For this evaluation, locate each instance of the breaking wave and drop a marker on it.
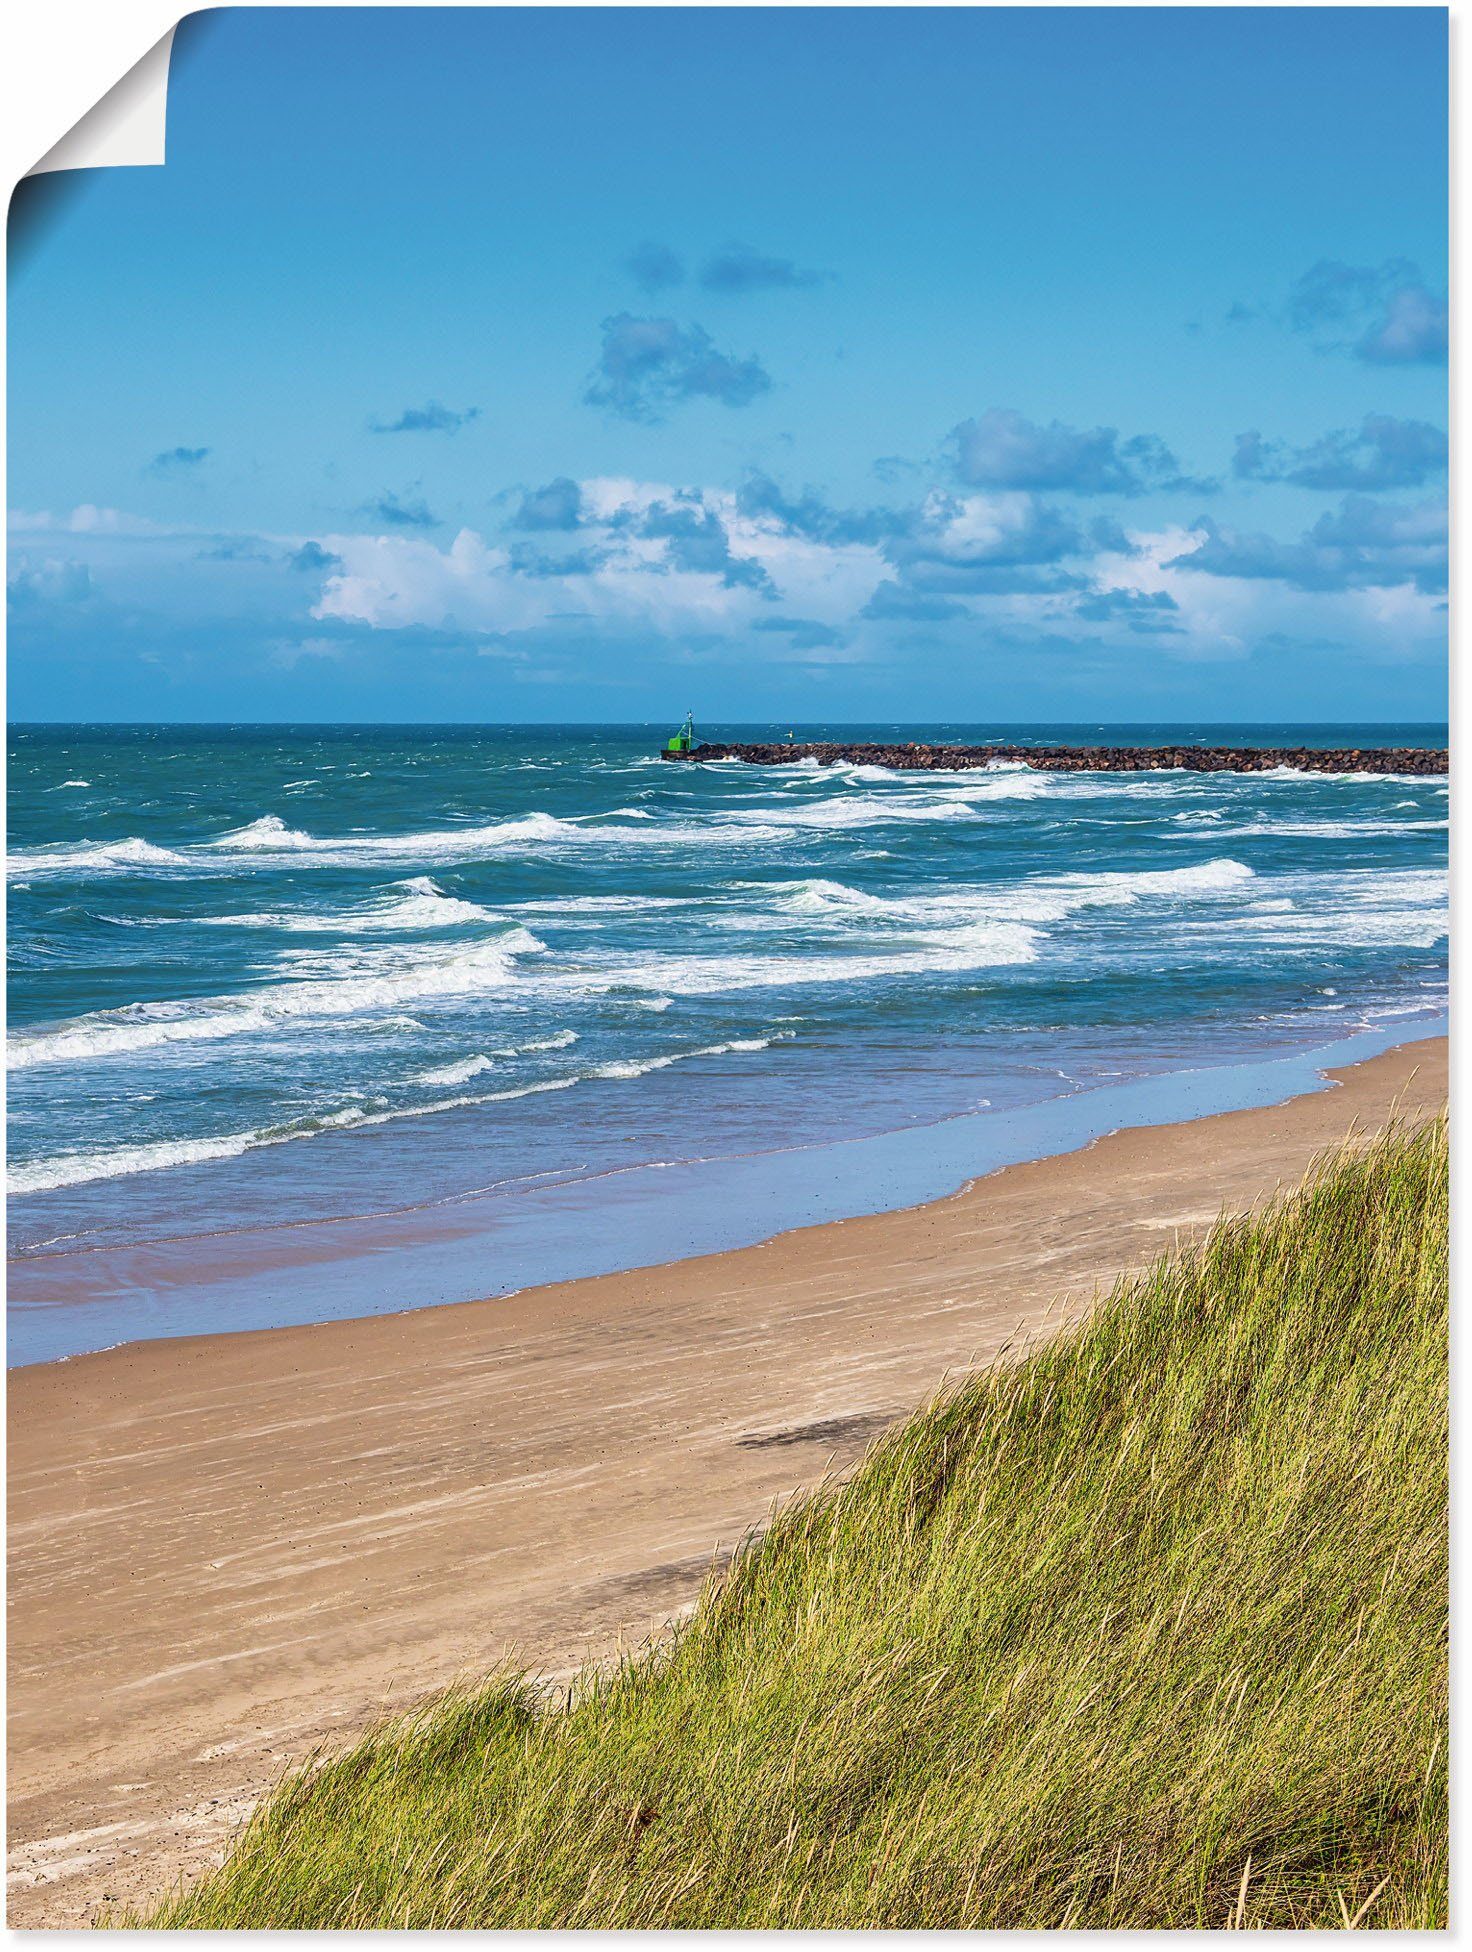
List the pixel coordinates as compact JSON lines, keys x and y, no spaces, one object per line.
{"x":95,"y":857}
{"x":146,"y":1026}
{"x":118,"y":1162}
{"x":421,"y":905}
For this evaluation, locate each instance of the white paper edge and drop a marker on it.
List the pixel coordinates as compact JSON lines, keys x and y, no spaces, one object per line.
{"x":126,"y":129}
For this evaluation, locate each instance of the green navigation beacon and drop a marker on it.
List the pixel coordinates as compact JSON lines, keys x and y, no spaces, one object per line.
{"x":684,"y":739}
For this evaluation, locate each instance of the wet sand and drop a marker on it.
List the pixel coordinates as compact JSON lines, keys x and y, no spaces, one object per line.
{"x":227,"y":1549}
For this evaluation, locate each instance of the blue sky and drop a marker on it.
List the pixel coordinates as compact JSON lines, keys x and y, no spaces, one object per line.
{"x":845,"y":363}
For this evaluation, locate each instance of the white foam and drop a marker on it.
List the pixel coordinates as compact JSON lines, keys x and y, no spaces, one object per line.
{"x":637,"y":1067}
{"x":270,"y":835}
{"x":380,"y":985}
{"x":980,"y":945}
{"x":1338,"y":778}
{"x":267,"y":839}
{"x":120,"y":1162}
{"x":1268,"y":829}
{"x":1047,"y":898}
{"x":96,"y":857}
{"x":462,"y":1073}
{"x":1353,"y":908}
{"x":593,"y":904}
{"x":467,"y":1068}
{"x":422,"y":906}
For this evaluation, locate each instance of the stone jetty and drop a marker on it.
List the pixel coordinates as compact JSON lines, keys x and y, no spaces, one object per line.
{"x":1086,"y":759}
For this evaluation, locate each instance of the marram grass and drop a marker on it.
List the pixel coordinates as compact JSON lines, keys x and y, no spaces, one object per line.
{"x":1146,"y":1630}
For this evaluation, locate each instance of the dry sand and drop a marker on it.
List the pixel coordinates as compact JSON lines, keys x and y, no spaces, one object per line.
{"x":226,"y":1549}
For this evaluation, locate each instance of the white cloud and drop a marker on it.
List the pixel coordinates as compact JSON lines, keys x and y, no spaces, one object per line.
{"x":617,"y":574}
{"x":85,"y":519}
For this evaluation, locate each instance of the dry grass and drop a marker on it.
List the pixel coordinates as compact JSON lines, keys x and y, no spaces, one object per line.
{"x":1145,"y":1630}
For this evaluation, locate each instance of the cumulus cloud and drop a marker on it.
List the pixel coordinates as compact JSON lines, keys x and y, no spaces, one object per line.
{"x":986,"y":545}
{"x":312,"y":556}
{"x":1386,"y":314}
{"x":892,"y":602}
{"x":531,"y":560}
{"x":558,"y":505}
{"x":1364,"y":544}
{"x":431,"y":419}
{"x":637,"y":588}
{"x":648,"y":365}
{"x":1003,"y":449}
{"x":40,"y":585}
{"x":1148,"y":613}
{"x":738,"y":268}
{"x":176,"y":460}
{"x":1382,"y":453}
{"x":407,"y":513}
{"x":651,"y":559}
{"x":654,"y":267}
{"x":761,"y":498}
{"x":696,"y":539}
{"x":1412,"y":332}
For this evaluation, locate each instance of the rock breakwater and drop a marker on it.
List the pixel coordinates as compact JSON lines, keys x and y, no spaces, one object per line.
{"x":1087,"y":759}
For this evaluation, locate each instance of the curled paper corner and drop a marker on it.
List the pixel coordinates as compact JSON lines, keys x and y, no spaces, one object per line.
{"x":127,"y":127}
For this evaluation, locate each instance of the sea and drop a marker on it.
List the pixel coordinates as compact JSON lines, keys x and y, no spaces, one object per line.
{"x":320,"y":1021}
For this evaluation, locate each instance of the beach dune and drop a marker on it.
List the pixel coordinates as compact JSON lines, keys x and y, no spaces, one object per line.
{"x":227,"y":1550}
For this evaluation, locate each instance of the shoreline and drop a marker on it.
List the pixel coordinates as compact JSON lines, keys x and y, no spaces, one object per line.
{"x":356,"y":1265}
{"x":226,"y":1549}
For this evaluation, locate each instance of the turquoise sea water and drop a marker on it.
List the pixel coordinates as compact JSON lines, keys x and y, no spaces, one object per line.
{"x":488,"y":984}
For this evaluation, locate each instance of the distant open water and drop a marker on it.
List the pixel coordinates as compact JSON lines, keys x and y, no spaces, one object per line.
{"x":264,"y":976}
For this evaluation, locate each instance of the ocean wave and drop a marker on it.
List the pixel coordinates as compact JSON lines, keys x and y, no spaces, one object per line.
{"x":271,"y":835}
{"x":462,"y":1073}
{"x":1357,"y":908}
{"x":593,"y":904}
{"x":376,"y":987}
{"x":96,"y":857}
{"x":1266,"y":828}
{"x":1337,"y":778}
{"x":867,"y":809}
{"x":962,"y":929}
{"x":979,"y":945}
{"x":1050,"y":898}
{"x":269,"y":838}
{"x":421,"y":906}
{"x":467,"y":1068}
{"x":638,"y":1067}
{"x":123,"y":1161}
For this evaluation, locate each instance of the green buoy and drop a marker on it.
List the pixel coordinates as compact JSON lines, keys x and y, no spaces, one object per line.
{"x":684,"y":739}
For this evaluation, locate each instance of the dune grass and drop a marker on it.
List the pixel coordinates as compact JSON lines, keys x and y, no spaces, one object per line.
{"x":1147,"y":1629}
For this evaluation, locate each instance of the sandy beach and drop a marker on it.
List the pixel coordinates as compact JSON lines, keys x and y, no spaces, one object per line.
{"x":226,"y":1550}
